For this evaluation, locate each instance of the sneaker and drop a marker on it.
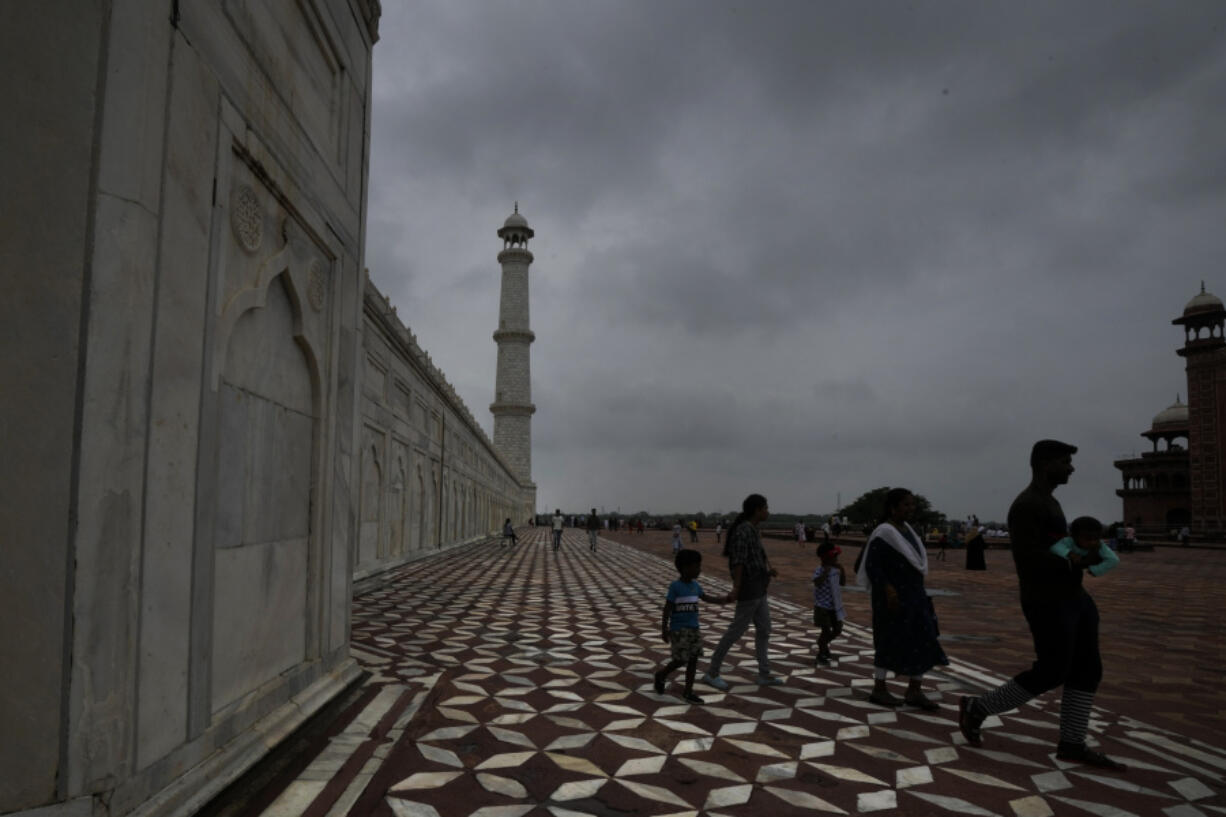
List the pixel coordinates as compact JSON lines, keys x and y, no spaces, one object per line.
{"x":659,"y":684}
{"x":823,"y":660}
{"x":1080,"y":753}
{"x":969,"y":723}
{"x":692,"y":698}
{"x":768,"y":680}
{"x":715,"y":681}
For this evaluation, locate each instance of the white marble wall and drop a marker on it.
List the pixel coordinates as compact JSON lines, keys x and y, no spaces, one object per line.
{"x":181,"y":491}
{"x":431,"y":477}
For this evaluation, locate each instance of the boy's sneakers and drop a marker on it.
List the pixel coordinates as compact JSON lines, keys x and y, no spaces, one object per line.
{"x":692,"y":698}
{"x":824,"y":658}
{"x":715,"y":681}
{"x":1080,"y":753}
{"x":659,"y":684}
{"x":768,"y":680}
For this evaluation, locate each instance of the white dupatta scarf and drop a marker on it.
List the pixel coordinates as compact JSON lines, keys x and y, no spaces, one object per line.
{"x":890,"y":535}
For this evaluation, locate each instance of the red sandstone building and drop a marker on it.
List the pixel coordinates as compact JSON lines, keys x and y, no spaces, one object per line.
{"x":1166,"y":488}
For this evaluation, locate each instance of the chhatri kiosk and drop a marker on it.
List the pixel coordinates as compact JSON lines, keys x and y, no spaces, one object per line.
{"x":1172,"y":485}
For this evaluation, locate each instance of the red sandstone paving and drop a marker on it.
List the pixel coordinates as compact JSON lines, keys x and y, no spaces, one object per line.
{"x":516,"y":683}
{"x":1162,"y":630}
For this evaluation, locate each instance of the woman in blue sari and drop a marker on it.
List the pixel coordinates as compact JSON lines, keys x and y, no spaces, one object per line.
{"x":893,"y":565}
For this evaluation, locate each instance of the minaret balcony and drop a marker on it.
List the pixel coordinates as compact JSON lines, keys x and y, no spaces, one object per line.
{"x":522,"y":254}
{"x":521,"y":335}
{"x":513,"y":409}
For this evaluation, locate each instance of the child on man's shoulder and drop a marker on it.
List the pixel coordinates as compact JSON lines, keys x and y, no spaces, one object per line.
{"x":680,"y":623}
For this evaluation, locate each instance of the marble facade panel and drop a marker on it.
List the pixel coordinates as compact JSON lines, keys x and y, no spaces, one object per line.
{"x":259,"y":616}
{"x":177,"y":379}
{"x":44,"y":233}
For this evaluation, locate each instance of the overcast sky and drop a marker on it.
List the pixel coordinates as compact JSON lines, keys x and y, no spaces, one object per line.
{"x":810,"y":248}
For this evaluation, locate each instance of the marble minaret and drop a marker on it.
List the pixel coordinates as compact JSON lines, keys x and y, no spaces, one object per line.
{"x":512,"y":407}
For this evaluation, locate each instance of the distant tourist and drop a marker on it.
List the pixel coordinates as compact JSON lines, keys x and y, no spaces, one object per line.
{"x":828,"y":612}
{"x":1130,"y":539}
{"x":719,"y":531}
{"x":680,"y":626}
{"x":677,"y":537}
{"x":558,"y":522}
{"x":893,"y":565}
{"x":508,"y":532}
{"x":1062,"y":617}
{"x":751,"y":574}
{"x":798,"y":530}
{"x":826,"y":531}
{"x":693,"y":530}
{"x":593,"y":529}
{"x":1185,"y":536}
{"x":976,"y":546}
{"x":638,"y":528}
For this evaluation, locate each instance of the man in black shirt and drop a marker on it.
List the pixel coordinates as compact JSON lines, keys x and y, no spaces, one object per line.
{"x":1062,"y":617}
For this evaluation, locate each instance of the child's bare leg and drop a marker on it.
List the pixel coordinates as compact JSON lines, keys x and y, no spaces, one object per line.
{"x":666,"y":670}
{"x":690,"y":669}
{"x":662,"y":673}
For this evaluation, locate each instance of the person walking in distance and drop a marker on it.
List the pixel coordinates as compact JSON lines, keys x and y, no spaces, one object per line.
{"x":1062,"y":617}
{"x":593,"y":529}
{"x":751,"y":574}
{"x":558,"y":522}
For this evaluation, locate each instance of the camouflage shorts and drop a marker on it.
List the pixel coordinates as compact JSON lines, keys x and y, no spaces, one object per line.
{"x":686,"y":643}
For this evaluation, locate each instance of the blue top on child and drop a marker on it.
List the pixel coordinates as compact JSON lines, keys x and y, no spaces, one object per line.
{"x":684,"y":596}
{"x":1109,"y":560}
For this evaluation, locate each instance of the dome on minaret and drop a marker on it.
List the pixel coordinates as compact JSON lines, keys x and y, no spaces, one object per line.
{"x":1174,"y":416}
{"x":1203,"y":302}
{"x":515,"y":231}
{"x":515,"y":219}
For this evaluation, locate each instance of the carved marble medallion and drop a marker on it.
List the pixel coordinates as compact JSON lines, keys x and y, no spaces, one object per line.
{"x":247,"y":219}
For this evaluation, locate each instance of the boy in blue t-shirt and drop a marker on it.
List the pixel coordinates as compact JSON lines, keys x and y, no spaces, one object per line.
{"x":680,"y":624}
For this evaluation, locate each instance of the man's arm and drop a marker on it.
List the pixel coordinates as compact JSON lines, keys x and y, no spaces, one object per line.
{"x":738,"y":572}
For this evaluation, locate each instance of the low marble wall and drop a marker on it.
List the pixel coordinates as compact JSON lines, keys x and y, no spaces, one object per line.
{"x":430,"y":476}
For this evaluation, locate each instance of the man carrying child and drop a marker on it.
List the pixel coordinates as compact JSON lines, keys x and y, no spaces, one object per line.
{"x":1062,"y":617}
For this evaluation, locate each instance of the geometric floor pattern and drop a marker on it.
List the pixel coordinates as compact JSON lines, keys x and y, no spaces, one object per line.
{"x":516,"y":682}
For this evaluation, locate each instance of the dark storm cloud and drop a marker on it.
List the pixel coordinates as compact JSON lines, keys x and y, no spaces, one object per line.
{"x":839,"y":245}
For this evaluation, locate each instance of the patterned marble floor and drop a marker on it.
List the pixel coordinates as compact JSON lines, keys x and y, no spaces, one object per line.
{"x":517,"y":683}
